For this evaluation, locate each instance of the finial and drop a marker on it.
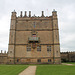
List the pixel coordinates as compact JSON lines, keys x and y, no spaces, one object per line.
{"x":14,"y":10}
{"x":25,"y":14}
{"x":54,"y":10}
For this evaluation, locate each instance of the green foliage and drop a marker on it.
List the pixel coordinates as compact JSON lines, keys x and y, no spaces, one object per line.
{"x":11,"y":69}
{"x":55,"y":70}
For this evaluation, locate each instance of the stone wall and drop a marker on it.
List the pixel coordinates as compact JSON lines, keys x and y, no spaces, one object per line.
{"x":45,"y":28}
{"x":3,"y":58}
{"x":68,"y":56}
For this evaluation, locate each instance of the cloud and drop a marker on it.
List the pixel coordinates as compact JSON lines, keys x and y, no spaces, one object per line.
{"x":65,"y":11}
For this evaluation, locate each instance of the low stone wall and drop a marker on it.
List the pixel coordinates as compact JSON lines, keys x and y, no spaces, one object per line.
{"x":3,"y":58}
{"x":68,"y":56}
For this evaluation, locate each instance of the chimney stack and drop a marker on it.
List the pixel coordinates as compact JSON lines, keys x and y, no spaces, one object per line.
{"x":42,"y":13}
{"x":29,"y":13}
{"x":25,"y":14}
{"x":5,"y":52}
{"x":1,"y":51}
{"x":21,"y":14}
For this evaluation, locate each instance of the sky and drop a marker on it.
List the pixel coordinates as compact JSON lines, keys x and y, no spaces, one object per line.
{"x":66,"y":18}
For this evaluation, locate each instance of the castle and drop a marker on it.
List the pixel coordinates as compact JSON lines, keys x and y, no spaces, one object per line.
{"x":34,"y":39}
{"x":68,"y":56}
{"x":65,"y":57}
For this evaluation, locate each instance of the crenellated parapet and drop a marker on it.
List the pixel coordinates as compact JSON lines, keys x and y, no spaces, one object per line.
{"x":3,"y":57}
{"x":54,"y":13}
{"x":3,"y":53}
{"x":70,"y":52}
{"x":68,"y":56}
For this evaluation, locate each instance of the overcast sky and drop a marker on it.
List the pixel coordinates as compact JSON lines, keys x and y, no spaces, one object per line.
{"x":66,"y":18}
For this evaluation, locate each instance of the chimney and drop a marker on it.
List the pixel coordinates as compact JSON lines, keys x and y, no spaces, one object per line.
{"x":25,"y":14}
{"x":5,"y":52}
{"x":29,"y":13}
{"x":42,"y":13}
{"x":1,"y":51}
{"x":21,"y":14}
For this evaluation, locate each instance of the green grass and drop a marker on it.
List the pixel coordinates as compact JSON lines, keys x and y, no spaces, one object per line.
{"x":41,"y":69}
{"x":11,"y":69}
{"x":55,"y":70}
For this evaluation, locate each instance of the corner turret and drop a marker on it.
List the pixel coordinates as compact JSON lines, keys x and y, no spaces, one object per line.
{"x":54,"y":13}
{"x":13,"y":16}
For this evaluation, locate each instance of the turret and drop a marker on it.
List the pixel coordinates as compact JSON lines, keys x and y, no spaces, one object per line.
{"x":56,"y":49}
{"x":55,"y":19}
{"x":13,"y":16}
{"x":54,"y":13}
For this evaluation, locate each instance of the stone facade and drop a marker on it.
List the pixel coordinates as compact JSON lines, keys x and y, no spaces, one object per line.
{"x":3,"y":57}
{"x":34,"y":39}
{"x":68,"y":56}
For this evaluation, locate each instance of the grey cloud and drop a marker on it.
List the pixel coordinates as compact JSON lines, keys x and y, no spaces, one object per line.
{"x":66,"y":17}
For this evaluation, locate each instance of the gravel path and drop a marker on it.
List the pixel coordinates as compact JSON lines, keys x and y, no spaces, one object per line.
{"x":66,"y":64}
{"x":29,"y":71}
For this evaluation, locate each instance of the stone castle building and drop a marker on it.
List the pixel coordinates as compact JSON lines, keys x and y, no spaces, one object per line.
{"x":68,"y":56}
{"x":34,"y":39}
{"x":3,"y":57}
{"x":65,"y":57}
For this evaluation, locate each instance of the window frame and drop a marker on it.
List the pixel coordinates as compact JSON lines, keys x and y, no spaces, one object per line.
{"x":28,"y":47}
{"x":49,"y":48}
{"x":38,"y":60}
{"x":49,"y":60}
{"x":38,"y":48}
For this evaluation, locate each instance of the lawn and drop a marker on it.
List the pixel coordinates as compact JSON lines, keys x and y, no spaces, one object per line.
{"x":55,"y":70}
{"x":11,"y":69}
{"x":41,"y":69}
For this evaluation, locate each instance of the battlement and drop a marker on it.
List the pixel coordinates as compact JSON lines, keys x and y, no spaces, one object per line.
{"x":54,"y":13}
{"x":68,"y":52}
{"x":3,"y":53}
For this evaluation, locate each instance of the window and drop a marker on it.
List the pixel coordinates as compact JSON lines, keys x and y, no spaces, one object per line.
{"x":57,"y":53}
{"x":56,"y":36}
{"x":17,"y":60}
{"x":49,"y":60}
{"x":34,"y":35}
{"x":10,"y":60}
{"x":48,"y":48}
{"x":28,"y":47}
{"x":39,"y":60}
{"x":10,"y":51}
{"x":38,"y":48}
{"x":55,"y":25}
